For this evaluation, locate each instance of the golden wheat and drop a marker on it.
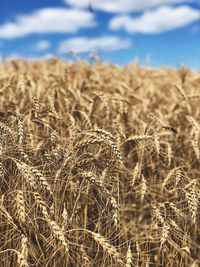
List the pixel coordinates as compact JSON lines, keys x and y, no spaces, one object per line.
{"x":99,"y":165}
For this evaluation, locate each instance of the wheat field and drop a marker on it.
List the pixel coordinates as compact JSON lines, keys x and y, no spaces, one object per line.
{"x":99,"y":165}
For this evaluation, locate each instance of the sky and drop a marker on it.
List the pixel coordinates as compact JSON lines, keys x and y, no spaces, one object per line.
{"x":152,"y":32}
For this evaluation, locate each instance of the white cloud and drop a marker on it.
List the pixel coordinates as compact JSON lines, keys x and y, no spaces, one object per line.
{"x":45,"y":56}
{"x":156,"y":21}
{"x":123,"y":6}
{"x":16,"y":56}
{"x":41,"y":45}
{"x":103,"y":43}
{"x":48,"y":20}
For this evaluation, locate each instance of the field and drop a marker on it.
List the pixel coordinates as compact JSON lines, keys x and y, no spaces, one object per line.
{"x":99,"y":165}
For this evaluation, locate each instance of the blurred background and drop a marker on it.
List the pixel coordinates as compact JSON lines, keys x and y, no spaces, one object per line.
{"x":152,"y":32}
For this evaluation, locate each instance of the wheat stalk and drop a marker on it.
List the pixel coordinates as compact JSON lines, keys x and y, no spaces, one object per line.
{"x":20,"y":207}
{"x":192,"y":197}
{"x":111,"y":250}
{"x":128,"y":257}
{"x":22,"y":255}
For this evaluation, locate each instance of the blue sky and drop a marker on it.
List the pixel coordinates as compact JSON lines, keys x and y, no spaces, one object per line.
{"x":155,"y":32}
